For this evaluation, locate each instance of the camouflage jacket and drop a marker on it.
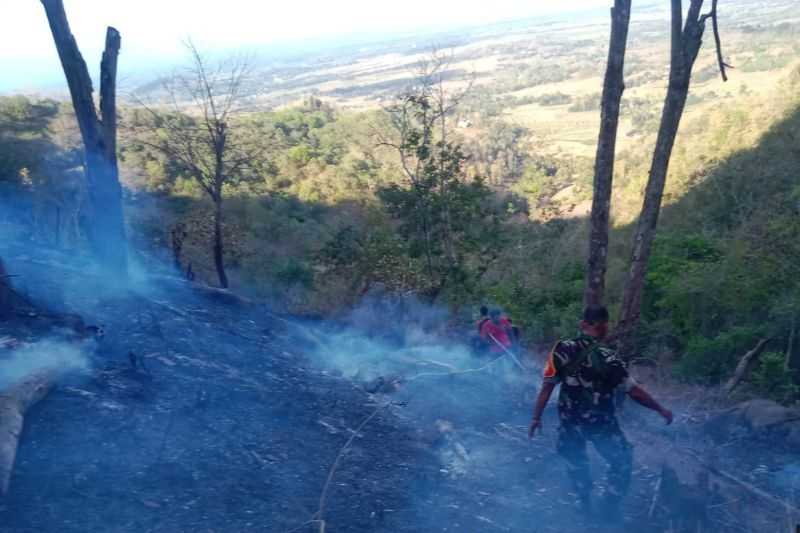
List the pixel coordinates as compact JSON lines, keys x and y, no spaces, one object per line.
{"x":588,"y":374}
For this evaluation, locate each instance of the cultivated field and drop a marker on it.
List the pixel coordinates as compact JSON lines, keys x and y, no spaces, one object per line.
{"x":546,"y":74}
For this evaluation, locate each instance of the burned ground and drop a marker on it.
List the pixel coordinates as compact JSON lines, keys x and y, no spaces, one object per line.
{"x":204,"y":412}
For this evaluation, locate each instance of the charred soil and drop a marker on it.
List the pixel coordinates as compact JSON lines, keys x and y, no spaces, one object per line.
{"x":201,"y":412}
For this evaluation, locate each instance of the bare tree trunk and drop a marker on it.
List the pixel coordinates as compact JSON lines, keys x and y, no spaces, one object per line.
{"x":13,"y":405}
{"x":178,"y":234}
{"x":791,"y":363}
{"x":6,"y":293}
{"x":686,"y":43}
{"x":423,"y":214}
{"x":219,"y":251}
{"x":106,"y":231}
{"x":613,"y":88}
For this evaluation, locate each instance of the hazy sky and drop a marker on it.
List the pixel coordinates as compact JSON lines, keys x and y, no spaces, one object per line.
{"x":152,"y":30}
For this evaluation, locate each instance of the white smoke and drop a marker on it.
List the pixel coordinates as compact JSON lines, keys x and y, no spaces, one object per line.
{"x":45,"y":355}
{"x":401,"y":338}
{"x":360,"y":357}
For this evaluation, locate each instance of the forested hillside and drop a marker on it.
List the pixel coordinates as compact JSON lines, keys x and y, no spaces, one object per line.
{"x":316,"y":220}
{"x":335,"y":291}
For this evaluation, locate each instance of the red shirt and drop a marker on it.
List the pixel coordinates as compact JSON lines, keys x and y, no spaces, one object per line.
{"x":499,"y":332}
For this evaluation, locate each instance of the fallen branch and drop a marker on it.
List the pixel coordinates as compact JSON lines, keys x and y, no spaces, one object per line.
{"x":656,"y":495}
{"x":745,"y":364}
{"x":14,"y":403}
{"x":8,"y":342}
{"x":170,"y":308}
{"x":745,"y":485}
{"x":303,"y":525}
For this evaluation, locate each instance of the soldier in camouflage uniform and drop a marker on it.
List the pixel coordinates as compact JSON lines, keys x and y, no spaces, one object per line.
{"x":589,"y":374}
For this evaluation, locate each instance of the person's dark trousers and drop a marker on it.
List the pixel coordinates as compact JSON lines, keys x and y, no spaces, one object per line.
{"x":612,"y":445}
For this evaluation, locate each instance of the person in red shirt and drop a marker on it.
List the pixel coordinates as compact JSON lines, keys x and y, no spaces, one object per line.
{"x":496,"y":332}
{"x":479,"y":346}
{"x":483,"y":319}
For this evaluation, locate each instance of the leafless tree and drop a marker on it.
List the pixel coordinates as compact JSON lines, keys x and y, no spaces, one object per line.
{"x":686,"y":41}
{"x":197,"y":129}
{"x":106,"y":230}
{"x":613,"y":87}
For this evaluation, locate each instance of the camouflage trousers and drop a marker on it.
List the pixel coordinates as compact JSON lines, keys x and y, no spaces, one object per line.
{"x":610,"y":442}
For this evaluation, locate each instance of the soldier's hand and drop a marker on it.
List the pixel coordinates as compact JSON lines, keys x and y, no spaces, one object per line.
{"x":536,"y":424}
{"x":667,"y":414}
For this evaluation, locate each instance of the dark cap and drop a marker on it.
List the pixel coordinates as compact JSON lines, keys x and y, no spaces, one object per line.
{"x":594,"y":314}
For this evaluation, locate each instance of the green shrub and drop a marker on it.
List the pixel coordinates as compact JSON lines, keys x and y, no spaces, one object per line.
{"x":550,"y":311}
{"x":770,"y":380}
{"x":711,"y":360}
{"x":293,"y":272}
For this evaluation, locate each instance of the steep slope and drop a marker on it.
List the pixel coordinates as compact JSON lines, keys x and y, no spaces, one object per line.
{"x":232,"y":418}
{"x":227,"y":429}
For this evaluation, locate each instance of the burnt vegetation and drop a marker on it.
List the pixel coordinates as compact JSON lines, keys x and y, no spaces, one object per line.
{"x":233,"y":316}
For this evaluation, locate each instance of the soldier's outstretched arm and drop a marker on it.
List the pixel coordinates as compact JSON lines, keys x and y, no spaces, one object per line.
{"x":643,"y":397}
{"x":541,"y":403}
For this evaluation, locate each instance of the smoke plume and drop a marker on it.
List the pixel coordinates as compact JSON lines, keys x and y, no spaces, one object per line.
{"x":46,"y":355}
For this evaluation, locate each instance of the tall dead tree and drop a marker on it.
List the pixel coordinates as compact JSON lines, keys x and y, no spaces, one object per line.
{"x":198,"y":132}
{"x":686,"y":41}
{"x":613,"y":87}
{"x":106,"y":229}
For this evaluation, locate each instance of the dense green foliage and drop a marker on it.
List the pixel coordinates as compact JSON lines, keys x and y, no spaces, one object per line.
{"x":325,"y":211}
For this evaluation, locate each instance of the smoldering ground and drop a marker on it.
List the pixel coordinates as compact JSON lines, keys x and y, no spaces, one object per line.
{"x":241,"y":419}
{"x":471,"y":414}
{"x":222,"y":434}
